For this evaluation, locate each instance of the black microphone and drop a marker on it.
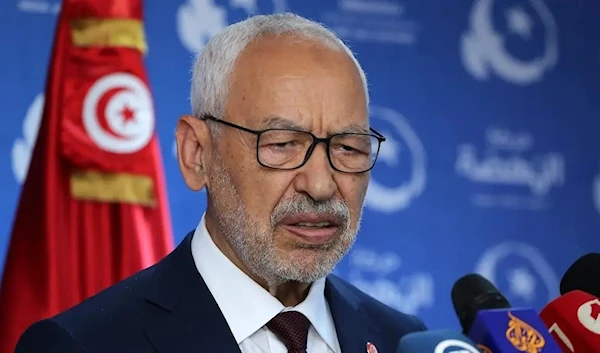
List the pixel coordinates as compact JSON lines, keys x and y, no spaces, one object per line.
{"x":583,"y":275}
{"x":472,"y":293}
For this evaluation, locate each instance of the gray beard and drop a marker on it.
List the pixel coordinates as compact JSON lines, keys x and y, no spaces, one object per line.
{"x":253,"y":242}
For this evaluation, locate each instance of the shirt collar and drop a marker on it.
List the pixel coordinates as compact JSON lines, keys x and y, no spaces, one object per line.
{"x":246,"y":314}
{"x":315,"y":308}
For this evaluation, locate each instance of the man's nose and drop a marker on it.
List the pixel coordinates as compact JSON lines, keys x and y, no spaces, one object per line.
{"x":316,"y":176}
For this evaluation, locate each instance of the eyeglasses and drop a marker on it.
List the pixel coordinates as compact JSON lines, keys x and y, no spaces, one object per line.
{"x":288,"y":149}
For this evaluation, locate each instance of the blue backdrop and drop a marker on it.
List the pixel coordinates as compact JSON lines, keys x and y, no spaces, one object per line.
{"x":490,"y":109}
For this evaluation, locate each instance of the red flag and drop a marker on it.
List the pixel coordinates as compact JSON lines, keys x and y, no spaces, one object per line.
{"x":93,"y":209}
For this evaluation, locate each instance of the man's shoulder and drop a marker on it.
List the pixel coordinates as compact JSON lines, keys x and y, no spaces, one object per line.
{"x":113,"y":315}
{"x":386,"y":317}
{"x":121,"y":299}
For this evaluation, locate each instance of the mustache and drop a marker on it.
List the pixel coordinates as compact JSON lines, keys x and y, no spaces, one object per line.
{"x":303,"y":204}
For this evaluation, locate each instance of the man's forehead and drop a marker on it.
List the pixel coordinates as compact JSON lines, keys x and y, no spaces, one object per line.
{"x":272,"y":56}
{"x":322,"y":93}
{"x":285,"y":44}
{"x":279,"y":122}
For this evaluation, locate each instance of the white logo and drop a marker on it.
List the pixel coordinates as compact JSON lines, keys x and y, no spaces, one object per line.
{"x":199,"y":20}
{"x":23,"y":147}
{"x":522,"y":282}
{"x":589,"y":315}
{"x":484,"y":48}
{"x":376,"y":21}
{"x":118,"y":113}
{"x":455,"y":346}
{"x":372,"y":273}
{"x":39,"y":6}
{"x":400,"y":142}
{"x":507,"y":159}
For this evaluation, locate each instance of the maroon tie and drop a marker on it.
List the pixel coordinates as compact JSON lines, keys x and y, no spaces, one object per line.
{"x":292,"y":329}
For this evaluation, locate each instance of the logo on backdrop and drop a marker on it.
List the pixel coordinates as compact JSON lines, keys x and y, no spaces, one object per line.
{"x":23,"y":146}
{"x":402,"y":152}
{"x":521,"y":271}
{"x":528,"y":25}
{"x":199,"y":20}
{"x":503,"y":163}
{"x":118,"y":113}
{"x":376,"y":21}
{"x":589,"y":315}
{"x":51,"y":7}
{"x":454,"y":346}
{"x":376,"y":274}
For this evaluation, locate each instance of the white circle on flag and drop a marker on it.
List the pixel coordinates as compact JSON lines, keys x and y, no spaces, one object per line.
{"x":118,"y":113}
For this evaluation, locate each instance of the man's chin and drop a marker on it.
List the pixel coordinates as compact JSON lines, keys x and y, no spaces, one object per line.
{"x":307,"y":275}
{"x":310,"y":260}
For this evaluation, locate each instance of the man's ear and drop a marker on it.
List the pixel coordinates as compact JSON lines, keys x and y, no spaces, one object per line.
{"x":193,"y":147}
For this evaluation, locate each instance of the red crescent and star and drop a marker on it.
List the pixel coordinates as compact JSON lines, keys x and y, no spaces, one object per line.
{"x":127,"y":112}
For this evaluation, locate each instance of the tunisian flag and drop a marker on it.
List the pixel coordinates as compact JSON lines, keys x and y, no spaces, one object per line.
{"x":93,"y":209}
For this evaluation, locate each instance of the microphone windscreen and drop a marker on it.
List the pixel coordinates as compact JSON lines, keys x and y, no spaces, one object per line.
{"x":472,"y":293}
{"x":573,"y":319}
{"x":438,"y":341}
{"x":584,"y":275}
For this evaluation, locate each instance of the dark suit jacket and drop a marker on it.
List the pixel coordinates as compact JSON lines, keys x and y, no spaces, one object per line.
{"x":167,"y":308}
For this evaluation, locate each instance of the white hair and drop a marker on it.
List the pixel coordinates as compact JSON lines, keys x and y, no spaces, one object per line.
{"x":214,"y":64}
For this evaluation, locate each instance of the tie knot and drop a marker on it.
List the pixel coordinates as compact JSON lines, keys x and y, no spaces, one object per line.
{"x":292,"y":329}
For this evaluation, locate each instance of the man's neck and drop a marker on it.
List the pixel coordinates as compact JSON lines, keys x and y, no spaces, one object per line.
{"x":288,"y":293}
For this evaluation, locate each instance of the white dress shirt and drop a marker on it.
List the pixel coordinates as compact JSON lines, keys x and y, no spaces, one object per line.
{"x":247,"y":307}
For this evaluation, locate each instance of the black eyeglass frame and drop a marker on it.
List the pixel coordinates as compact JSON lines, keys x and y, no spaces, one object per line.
{"x":316,"y":140}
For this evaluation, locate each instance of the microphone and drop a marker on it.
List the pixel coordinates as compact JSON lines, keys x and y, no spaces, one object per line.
{"x":574,"y":317}
{"x":472,"y":293}
{"x":488,"y":319}
{"x":583,"y":275}
{"x":438,"y":341}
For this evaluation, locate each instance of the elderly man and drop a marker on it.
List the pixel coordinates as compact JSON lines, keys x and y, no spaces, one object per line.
{"x":280,"y":139}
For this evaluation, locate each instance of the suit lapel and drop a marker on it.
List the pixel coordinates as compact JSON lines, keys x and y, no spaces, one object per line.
{"x":354,"y":329}
{"x":183,"y":317}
